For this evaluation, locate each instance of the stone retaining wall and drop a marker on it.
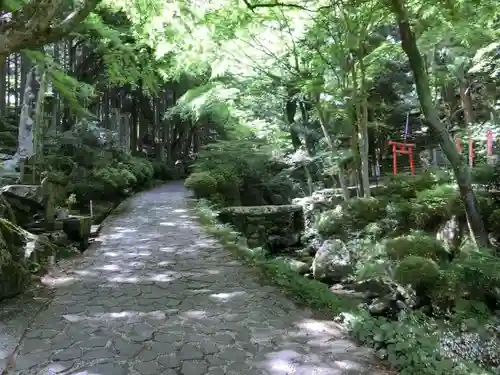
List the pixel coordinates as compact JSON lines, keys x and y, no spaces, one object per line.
{"x":272,"y":227}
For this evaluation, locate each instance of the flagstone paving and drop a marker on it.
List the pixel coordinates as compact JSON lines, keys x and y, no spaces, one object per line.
{"x":156,"y":296}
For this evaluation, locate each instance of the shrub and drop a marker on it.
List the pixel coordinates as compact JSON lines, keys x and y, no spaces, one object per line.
{"x":351,"y":217}
{"x":431,"y":207}
{"x":486,"y":203}
{"x":494,"y":222}
{"x":405,"y":186}
{"x":141,"y":169}
{"x":420,"y":273}
{"x":478,"y":274}
{"x":416,"y":244}
{"x":400,"y":213}
{"x":117,"y":179}
{"x":486,"y":175}
{"x":365,"y":210}
{"x":245,"y":171}
{"x":162,"y":171}
{"x":474,"y":276}
{"x":446,"y":291}
{"x":411,"y":344}
{"x":228,"y":185}
{"x":203,"y":184}
{"x":331,"y":223}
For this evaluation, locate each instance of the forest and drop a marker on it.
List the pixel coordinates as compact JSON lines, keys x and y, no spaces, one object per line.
{"x":348,"y":148}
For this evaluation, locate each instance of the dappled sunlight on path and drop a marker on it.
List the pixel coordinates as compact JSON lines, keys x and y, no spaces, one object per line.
{"x":157,"y":296}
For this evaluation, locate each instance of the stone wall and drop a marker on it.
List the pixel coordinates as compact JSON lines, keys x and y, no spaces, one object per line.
{"x":272,"y":227}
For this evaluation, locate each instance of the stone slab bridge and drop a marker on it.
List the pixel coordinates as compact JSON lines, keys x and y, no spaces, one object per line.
{"x":156,"y":296}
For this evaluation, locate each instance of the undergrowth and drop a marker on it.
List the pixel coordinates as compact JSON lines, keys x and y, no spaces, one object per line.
{"x":410,"y":344}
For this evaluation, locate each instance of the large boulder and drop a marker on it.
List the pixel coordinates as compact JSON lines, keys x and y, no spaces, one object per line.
{"x":32,"y":193}
{"x":14,"y":275}
{"x":25,"y":200}
{"x":332,"y":262}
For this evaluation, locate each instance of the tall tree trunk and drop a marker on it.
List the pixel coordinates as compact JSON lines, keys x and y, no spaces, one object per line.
{"x":466,"y":102}
{"x":364,"y":150}
{"x":39,"y":131}
{"x":460,"y":168}
{"x":329,"y":142}
{"x":3,"y":81}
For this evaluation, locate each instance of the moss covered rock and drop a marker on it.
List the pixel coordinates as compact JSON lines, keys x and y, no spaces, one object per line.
{"x":14,"y":238}
{"x":14,"y":275}
{"x":6,"y":210}
{"x":21,"y":253}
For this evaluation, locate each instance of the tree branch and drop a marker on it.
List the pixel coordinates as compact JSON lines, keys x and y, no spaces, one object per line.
{"x":38,"y":30}
{"x":275,"y":4}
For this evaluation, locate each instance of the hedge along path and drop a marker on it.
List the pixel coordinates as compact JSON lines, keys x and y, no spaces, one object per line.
{"x":156,"y":296}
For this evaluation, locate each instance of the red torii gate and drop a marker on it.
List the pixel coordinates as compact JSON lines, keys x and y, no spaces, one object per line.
{"x":399,"y":148}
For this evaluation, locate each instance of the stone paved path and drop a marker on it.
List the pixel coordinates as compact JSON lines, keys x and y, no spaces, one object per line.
{"x":156,"y":296}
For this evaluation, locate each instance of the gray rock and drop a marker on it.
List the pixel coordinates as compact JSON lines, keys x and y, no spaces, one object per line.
{"x":296,"y":265}
{"x":332,"y":262}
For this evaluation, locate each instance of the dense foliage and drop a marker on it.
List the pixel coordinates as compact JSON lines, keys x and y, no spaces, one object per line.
{"x":269,"y":103}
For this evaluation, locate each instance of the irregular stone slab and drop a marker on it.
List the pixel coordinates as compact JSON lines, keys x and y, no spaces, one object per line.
{"x":32,"y":193}
{"x":155,"y":295}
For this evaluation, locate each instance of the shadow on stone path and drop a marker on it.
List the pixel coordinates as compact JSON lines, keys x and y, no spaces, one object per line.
{"x":156,"y":296}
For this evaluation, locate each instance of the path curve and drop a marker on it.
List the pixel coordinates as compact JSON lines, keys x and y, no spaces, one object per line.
{"x":156,"y":296}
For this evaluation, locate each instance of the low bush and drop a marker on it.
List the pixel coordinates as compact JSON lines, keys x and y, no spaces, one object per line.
{"x":420,"y":273}
{"x":493,"y":222}
{"x":412,"y":344}
{"x":94,"y":169}
{"x":350,"y":218}
{"x":399,"y":213}
{"x":416,"y":244}
{"x":245,"y":174}
{"x":405,"y":186}
{"x":162,"y":171}
{"x":478,"y":274}
{"x":432,"y":207}
{"x":141,"y":169}
{"x":203,"y":184}
{"x":331,"y":223}
{"x":365,"y":210}
{"x":486,"y":175}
